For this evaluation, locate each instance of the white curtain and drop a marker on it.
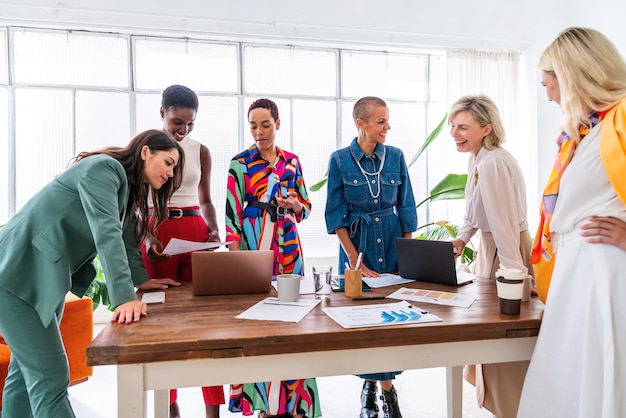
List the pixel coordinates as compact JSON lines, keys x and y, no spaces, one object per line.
{"x":500,"y":75}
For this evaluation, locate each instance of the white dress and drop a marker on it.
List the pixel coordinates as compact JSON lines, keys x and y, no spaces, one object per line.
{"x":578,"y":368}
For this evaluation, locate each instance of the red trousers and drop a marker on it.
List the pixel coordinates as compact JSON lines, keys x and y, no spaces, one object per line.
{"x":178,"y":267}
{"x":213,"y":395}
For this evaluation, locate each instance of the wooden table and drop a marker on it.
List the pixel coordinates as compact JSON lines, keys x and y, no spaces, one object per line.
{"x":196,"y":341}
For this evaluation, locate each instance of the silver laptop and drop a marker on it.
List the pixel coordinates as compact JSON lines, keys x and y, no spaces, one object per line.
{"x":231,"y":272}
{"x":429,"y":261}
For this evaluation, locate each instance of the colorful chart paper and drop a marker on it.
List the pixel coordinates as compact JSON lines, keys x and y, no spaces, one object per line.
{"x":356,"y":316}
{"x":434,"y":296}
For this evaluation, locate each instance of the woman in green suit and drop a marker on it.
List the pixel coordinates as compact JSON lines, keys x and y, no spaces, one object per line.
{"x":95,"y":207}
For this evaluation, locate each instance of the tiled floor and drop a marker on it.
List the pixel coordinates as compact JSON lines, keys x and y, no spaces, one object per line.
{"x":422,"y":394}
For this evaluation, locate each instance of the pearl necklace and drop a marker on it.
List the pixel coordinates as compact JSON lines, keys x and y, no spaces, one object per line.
{"x":377,"y":174}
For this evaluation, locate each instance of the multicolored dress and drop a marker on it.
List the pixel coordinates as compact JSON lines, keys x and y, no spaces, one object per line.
{"x":253,"y":220}
{"x":252,"y":179}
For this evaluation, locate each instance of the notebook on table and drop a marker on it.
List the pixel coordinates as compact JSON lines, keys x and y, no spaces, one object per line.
{"x":429,"y":261}
{"x":231,"y":272}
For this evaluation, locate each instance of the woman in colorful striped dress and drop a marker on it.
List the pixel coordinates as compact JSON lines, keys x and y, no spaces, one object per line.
{"x":266,"y":199}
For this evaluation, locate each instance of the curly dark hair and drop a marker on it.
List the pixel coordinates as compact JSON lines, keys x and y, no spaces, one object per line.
{"x":265,"y":104}
{"x":178,"y":96}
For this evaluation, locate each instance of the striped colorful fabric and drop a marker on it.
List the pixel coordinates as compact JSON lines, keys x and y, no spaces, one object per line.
{"x":251,"y":177}
{"x":542,"y":256}
{"x":294,"y":397}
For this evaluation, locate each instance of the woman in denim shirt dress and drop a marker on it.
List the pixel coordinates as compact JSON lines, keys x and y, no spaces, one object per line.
{"x":370,"y":203}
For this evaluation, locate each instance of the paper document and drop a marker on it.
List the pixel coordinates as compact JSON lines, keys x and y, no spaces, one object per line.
{"x":379,"y":314}
{"x":153,"y":297}
{"x":385,"y":279}
{"x":434,"y":296}
{"x":181,"y":246}
{"x":272,"y":309}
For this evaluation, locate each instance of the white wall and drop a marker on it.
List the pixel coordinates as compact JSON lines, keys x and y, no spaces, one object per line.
{"x":487,"y":24}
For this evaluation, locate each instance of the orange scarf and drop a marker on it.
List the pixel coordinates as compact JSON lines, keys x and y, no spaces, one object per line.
{"x":542,"y":256}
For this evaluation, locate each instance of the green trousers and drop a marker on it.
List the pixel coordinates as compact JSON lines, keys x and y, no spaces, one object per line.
{"x":39,"y":376}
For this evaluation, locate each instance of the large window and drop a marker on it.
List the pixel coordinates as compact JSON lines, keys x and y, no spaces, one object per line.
{"x":100,"y":89}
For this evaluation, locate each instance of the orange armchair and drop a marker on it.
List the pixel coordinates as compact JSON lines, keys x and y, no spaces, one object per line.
{"x":77,"y":333}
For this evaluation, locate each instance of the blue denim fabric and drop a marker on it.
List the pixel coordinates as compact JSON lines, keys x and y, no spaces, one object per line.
{"x":373,"y":223}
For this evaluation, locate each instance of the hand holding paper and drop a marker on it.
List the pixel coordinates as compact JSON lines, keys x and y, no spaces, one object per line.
{"x":179,"y":246}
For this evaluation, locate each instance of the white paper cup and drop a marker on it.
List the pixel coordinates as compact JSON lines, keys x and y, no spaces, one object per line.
{"x":510,"y":293}
{"x":288,"y":287}
{"x":512,"y":274}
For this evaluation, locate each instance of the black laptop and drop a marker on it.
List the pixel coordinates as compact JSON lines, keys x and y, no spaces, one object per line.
{"x":429,"y":261}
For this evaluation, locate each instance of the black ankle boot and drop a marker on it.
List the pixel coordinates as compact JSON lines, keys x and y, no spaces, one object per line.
{"x":369,"y":409}
{"x":391,"y":409}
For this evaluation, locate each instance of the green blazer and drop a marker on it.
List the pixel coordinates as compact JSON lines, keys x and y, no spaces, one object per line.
{"x":47,"y":248}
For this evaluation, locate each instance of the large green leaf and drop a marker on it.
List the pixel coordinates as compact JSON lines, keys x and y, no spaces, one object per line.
{"x":431,"y":137}
{"x":452,"y":187}
{"x":320,"y":183}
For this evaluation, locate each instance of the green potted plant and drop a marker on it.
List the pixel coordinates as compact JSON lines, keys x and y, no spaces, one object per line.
{"x":98,"y":291}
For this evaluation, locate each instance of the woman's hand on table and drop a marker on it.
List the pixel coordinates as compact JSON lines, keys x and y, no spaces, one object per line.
{"x":367,"y":272}
{"x":157,"y":284}
{"x":129,"y":312}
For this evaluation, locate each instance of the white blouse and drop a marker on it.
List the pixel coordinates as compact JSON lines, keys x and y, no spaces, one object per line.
{"x":585,"y":188}
{"x":496,"y":203}
{"x":187,"y":194}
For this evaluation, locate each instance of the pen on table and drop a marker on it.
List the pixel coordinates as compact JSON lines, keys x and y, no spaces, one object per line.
{"x":284,"y":304}
{"x":369,"y":297}
{"x":358,"y":261}
{"x":421,"y":311}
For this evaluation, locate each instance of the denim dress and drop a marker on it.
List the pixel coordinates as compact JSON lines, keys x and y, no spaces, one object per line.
{"x":375,"y":208}
{"x":375,"y":214}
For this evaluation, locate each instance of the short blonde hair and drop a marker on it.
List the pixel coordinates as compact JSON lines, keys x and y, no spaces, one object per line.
{"x":591,"y":74}
{"x":485,"y":112}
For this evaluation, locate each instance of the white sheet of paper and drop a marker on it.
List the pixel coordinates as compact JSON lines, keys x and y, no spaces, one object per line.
{"x":379,"y":315}
{"x":385,"y":279}
{"x":153,"y":297}
{"x":462,"y":300}
{"x":271,"y":309}
{"x":181,"y":246}
{"x":307,"y":287}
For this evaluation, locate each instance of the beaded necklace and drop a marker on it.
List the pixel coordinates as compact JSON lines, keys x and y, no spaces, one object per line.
{"x":377,"y":174}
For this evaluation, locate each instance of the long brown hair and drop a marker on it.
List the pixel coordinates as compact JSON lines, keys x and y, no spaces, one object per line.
{"x":130,"y":158}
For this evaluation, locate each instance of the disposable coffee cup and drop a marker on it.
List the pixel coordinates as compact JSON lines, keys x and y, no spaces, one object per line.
{"x":353,"y":283}
{"x":510,"y":295}
{"x":288,"y":287}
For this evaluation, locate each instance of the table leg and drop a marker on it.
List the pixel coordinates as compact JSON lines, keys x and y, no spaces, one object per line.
{"x":161,"y":403}
{"x":131,"y":394}
{"x":454,"y":391}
